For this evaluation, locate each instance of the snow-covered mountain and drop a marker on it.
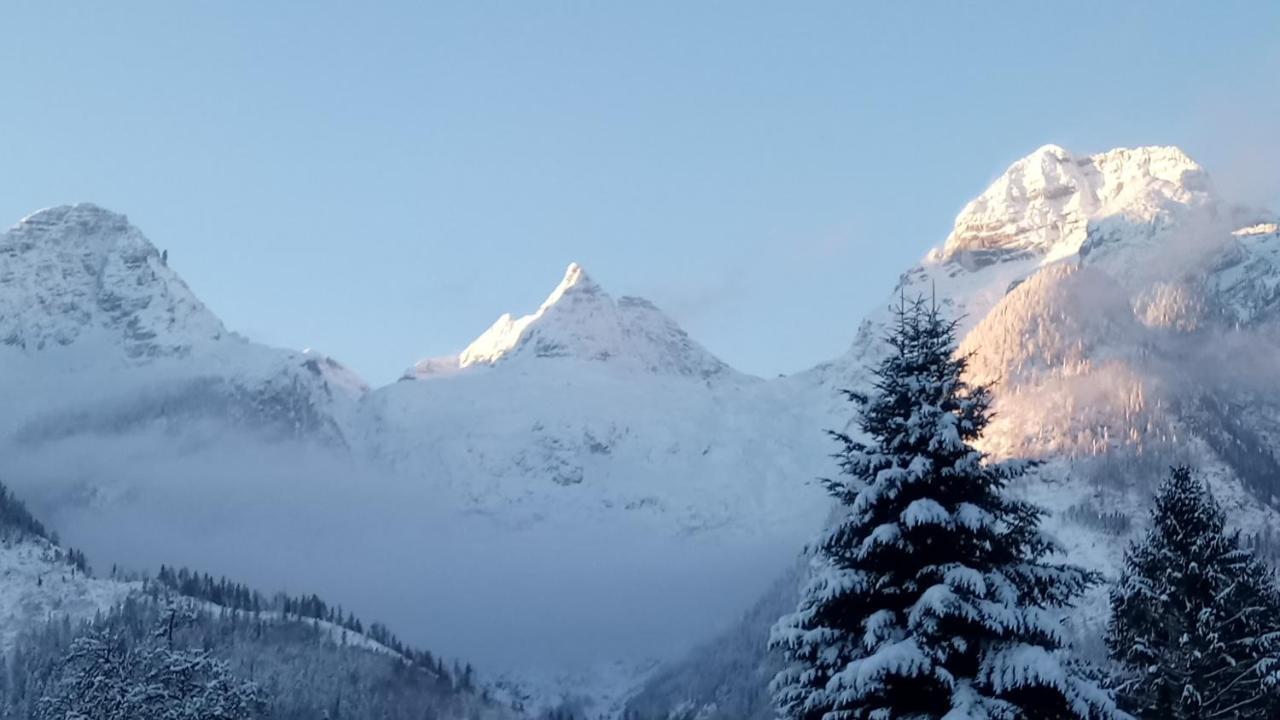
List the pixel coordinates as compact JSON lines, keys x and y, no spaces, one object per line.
{"x":1107,"y":298}
{"x":99,"y":336}
{"x":1126,"y":316}
{"x":1044,"y":204}
{"x":579,"y":320}
{"x":592,"y":406}
{"x":613,"y":457}
{"x":1147,"y":216}
{"x":77,"y":271}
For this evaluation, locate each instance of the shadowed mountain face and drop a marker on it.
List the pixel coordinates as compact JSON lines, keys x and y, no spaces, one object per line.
{"x":79,"y":271}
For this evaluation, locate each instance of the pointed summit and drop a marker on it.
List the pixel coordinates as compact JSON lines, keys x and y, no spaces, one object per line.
{"x":575,"y":280}
{"x":79,"y":270}
{"x":507,"y":332}
{"x":580,"y":321}
{"x":576,"y":286}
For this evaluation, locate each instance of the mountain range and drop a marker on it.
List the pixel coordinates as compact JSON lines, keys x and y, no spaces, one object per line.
{"x":591,"y":476}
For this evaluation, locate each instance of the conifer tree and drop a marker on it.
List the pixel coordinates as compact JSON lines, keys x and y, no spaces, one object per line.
{"x":106,"y":677}
{"x":932,"y":594}
{"x":1195,"y":618}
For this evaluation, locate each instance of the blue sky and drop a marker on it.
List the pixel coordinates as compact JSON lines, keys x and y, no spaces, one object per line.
{"x":380,"y":180}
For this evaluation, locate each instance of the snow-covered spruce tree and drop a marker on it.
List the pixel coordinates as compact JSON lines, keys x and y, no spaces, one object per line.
{"x":931,"y":595}
{"x":1195,"y":619}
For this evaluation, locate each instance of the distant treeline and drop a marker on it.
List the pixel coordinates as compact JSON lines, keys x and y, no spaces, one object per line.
{"x":239,"y":596}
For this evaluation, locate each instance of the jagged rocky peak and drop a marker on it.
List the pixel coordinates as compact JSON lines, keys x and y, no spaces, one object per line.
{"x":579,"y":320}
{"x":1044,"y":203}
{"x":79,"y":271}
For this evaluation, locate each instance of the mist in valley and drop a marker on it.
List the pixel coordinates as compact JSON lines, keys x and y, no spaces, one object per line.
{"x":547,"y":597}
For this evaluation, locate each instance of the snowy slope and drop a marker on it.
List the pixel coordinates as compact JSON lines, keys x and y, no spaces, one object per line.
{"x":39,"y":583}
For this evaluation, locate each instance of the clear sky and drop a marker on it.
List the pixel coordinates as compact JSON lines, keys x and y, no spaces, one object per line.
{"x":381,"y":180}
